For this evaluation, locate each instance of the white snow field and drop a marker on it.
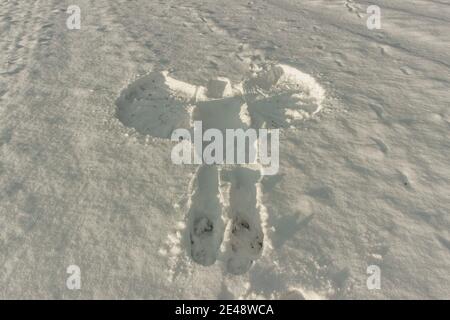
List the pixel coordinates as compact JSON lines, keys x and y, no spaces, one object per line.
{"x":86,"y":176}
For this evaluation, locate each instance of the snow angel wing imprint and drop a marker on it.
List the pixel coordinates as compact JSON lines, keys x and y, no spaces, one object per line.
{"x":280,"y":96}
{"x":156,"y":105}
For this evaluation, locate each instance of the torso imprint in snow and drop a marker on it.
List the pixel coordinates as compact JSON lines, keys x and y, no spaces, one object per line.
{"x":274,"y":97}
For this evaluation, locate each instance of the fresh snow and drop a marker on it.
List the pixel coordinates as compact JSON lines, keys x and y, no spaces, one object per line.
{"x":86,"y":177}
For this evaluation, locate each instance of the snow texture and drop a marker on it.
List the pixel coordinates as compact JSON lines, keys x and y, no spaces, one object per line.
{"x":86,"y":176}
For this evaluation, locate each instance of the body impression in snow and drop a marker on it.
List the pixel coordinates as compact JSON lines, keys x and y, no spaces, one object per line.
{"x":275,"y":97}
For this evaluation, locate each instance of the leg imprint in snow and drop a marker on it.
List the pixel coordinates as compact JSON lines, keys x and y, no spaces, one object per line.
{"x":246,"y":238}
{"x":205,"y":222}
{"x":276,"y":96}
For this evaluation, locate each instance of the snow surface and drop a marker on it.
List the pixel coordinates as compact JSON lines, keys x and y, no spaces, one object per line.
{"x":365,"y":181}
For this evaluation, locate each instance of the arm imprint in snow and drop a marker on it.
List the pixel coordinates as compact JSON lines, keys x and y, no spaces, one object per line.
{"x":278,"y":96}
